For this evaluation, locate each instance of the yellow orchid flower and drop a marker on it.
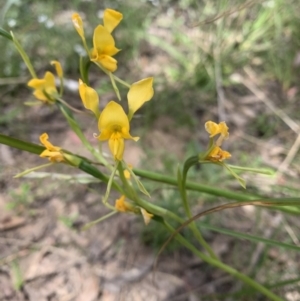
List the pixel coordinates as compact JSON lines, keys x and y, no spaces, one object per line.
{"x":111,"y":19}
{"x":138,"y":94}
{"x":89,"y":98}
{"x":146,"y":216}
{"x":123,"y":206}
{"x":44,"y":88}
{"x":114,"y":126}
{"x":218,"y":155}
{"x":53,"y":153}
{"x":103,"y":42}
{"x":58,"y":68}
{"x":214,"y":129}
{"x":104,"y":49}
{"x":78,"y":24}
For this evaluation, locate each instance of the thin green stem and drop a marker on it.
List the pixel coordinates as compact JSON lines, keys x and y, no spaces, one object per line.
{"x":69,"y":106}
{"x":144,"y":204}
{"x":117,"y":79}
{"x":228,"y":269}
{"x":158,"y":177}
{"x":102,"y":218}
{"x":182,"y":188}
{"x":75,"y":127}
{"x":129,"y":191}
{"x":122,"y":82}
{"x":23,"y":55}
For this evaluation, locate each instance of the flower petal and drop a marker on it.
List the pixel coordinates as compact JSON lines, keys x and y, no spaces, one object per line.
{"x":51,"y":152}
{"x":111,"y":19}
{"x":36,"y":83}
{"x":214,"y":129}
{"x":44,"y":140}
{"x":146,"y":216}
{"x":123,"y":206}
{"x":113,"y":118}
{"x":103,"y":40}
{"x":44,"y":87}
{"x":40,"y":95}
{"x":89,"y":98}
{"x":117,"y":146}
{"x":218,"y":155}
{"x":78,"y":24}
{"x":108,"y":62}
{"x":58,"y":68}
{"x":52,"y":156}
{"x":138,"y":94}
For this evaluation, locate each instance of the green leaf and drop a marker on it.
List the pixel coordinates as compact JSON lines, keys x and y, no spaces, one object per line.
{"x":253,"y":238}
{"x":24,"y":56}
{"x":138,"y":182}
{"x":5,"y":34}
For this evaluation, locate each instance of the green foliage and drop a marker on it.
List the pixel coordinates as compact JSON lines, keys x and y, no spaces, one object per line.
{"x":17,"y":275}
{"x":20,"y":198}
{"x":69,"y":221}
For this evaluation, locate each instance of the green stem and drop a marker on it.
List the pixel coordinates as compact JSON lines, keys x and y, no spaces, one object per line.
{"x":158,"y":177}
{"x":122,"y":82}
{"x":228,"y":269}
{"x":75,"y":127}
{"x":5,"y":34}
{"x":129,"y":191}
{"x":144,"y":204}
{"x":102,"y":218}
{"x":182,"y":188}
{"x":23,"y":55}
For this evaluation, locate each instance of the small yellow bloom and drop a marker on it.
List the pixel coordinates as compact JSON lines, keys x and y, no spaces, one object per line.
{"x":44,"y":88}
{"x":89,"y":98}
{"x":138,"y":94}
{"x":214,"y":129}
{"x":218,"y":155}
{"x":58,"y":68}
{"x":53,"y":153}
{"x":123,"y":206}
{"x":104,"y":48}
{"x":111,"y":19}
{"x":77,"y":21}
{"x":103,"y":42}
{"x":127,"y":174}
{"x":114,"y":126}
{"x":146,"y":216}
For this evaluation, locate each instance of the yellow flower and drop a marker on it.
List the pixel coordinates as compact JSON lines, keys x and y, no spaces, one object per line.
{"x":214,"y":129}
{"x":103,"y":42}
{"x":114,"y":126}
{"x":127,"y":174}
{"x":146,"y":216}
{"x":218,"y":155}
{"x":44,"y":88}
{"x":89,"y":98}
{"x":123,"y":206}
{"x":104,"y":49}
{"x":111,"y":19}
{"x":58,"y":68}
{"x":77,"y":21}
{"x":53,"y":153}
{"x":138,"y":94}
